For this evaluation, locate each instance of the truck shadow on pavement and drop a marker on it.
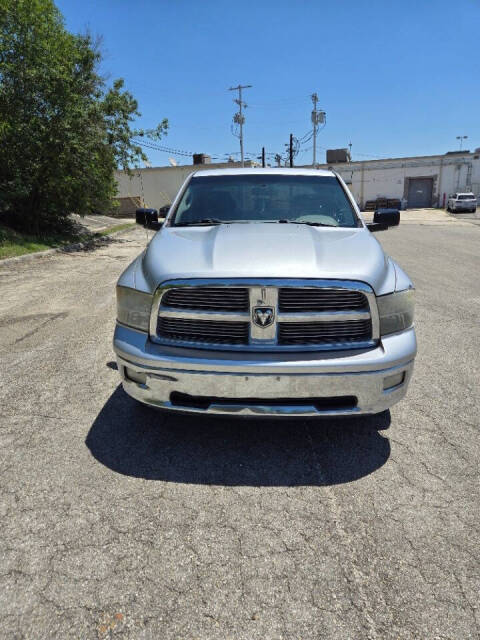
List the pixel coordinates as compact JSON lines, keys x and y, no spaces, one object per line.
{"x":138,"y":441}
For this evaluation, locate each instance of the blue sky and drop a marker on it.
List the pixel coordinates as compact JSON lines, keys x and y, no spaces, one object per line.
{"x":396,"y":77}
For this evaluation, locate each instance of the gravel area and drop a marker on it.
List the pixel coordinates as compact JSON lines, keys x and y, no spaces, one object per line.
{"x":117,"y":521}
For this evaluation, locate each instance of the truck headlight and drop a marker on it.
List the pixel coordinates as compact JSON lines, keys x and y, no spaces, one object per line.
{"x":396,"y":311}
{"x":133,"y":308}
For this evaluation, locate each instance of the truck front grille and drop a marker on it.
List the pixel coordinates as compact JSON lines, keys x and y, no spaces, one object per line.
{"x":208,"y":298}
{"x":315,"y":299}
{"x":280,"y":315}
{"x":204,"y":331}
{"x":323,"y":332}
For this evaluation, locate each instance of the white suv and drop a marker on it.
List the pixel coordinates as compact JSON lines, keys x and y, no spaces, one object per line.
{"x":462,"y":202}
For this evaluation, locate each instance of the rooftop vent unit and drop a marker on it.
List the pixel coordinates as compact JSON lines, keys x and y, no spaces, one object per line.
{"x":335,"y":156}
{"x":201,"y":158}
{"x":458,"y":152}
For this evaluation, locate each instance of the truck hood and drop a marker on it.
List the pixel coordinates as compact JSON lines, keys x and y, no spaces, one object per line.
{"x":265,"y":251}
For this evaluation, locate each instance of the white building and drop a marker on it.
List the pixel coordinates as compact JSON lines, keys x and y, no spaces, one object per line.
{"x":423,"y":181}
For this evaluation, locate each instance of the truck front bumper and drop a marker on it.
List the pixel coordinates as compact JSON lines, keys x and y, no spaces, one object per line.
{"x":265,"y":384}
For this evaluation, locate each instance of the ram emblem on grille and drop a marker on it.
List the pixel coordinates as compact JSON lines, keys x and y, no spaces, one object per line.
{"x":263,"y":316}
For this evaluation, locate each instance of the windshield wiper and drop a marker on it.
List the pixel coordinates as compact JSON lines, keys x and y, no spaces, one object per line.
{"x":198,"y":223}
{"x":318,"y":224}
{"x":311,"y":224}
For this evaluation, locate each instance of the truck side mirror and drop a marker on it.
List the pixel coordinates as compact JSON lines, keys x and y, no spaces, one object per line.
{"x":140,"y":216}
{"x":376,"y":226}
{"x":390,"y":217}
{"x":155,"y":225}
{"x":147,"y":218}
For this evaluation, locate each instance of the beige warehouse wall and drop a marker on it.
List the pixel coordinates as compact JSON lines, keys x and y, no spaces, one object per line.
{"x":158,"y":186}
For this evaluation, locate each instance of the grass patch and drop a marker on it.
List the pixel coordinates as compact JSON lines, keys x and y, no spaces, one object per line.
{"x":115,"y":228}
{"x":15,"y":243}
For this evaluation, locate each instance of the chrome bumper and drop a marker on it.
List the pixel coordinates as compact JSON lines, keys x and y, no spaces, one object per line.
{"x":226,"y":377}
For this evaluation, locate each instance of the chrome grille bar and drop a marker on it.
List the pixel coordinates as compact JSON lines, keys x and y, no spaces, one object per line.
{"x":323,"y":316}
{"x":194,"y":314}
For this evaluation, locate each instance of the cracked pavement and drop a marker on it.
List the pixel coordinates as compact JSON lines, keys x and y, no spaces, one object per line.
{"x":117,"y":521}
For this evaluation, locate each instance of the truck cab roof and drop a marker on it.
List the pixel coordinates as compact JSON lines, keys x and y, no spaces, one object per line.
{"x":299,"y":171}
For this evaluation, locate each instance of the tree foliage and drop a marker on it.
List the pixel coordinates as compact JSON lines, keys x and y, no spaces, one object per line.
{"x":63,"y":132}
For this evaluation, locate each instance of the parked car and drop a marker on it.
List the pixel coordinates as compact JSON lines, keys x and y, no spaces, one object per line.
{"x":265,"y":294}
{"x":462,"y":202}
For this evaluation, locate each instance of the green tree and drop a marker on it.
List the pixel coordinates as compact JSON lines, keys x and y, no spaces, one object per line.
{"x":63,"y":132}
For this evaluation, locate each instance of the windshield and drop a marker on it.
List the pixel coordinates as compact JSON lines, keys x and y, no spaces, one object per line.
{"x":315,"y":200}
{"x":466,"y":196}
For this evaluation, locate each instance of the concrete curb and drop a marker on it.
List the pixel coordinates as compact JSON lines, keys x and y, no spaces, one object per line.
{"x":68,"y":248}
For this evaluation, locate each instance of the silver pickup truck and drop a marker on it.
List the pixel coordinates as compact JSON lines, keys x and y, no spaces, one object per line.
{"x":265,"y":294}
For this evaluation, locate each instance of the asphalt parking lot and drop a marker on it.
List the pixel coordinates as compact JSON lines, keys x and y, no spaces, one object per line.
{"x":119,"y":522}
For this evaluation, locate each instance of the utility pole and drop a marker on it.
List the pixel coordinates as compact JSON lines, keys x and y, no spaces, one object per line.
{"x":318,"y":117}
{"x":239,"y":118}
{"x":350,"y":147}
{"x":262,"y":157}
{"x":314,"y":122}
{"x":290,"y":150}
{"x":461,"y":138}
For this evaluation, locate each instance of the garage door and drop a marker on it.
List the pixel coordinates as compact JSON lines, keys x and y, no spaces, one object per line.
{"x":420,"y":192}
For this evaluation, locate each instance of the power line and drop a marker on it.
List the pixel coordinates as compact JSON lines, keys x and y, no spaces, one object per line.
{"x":307,"y":137}
{"x":181,"y":152}
{"x":278,"y":104}
{"x":239,"y":118}
{"x":157,"y":147}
